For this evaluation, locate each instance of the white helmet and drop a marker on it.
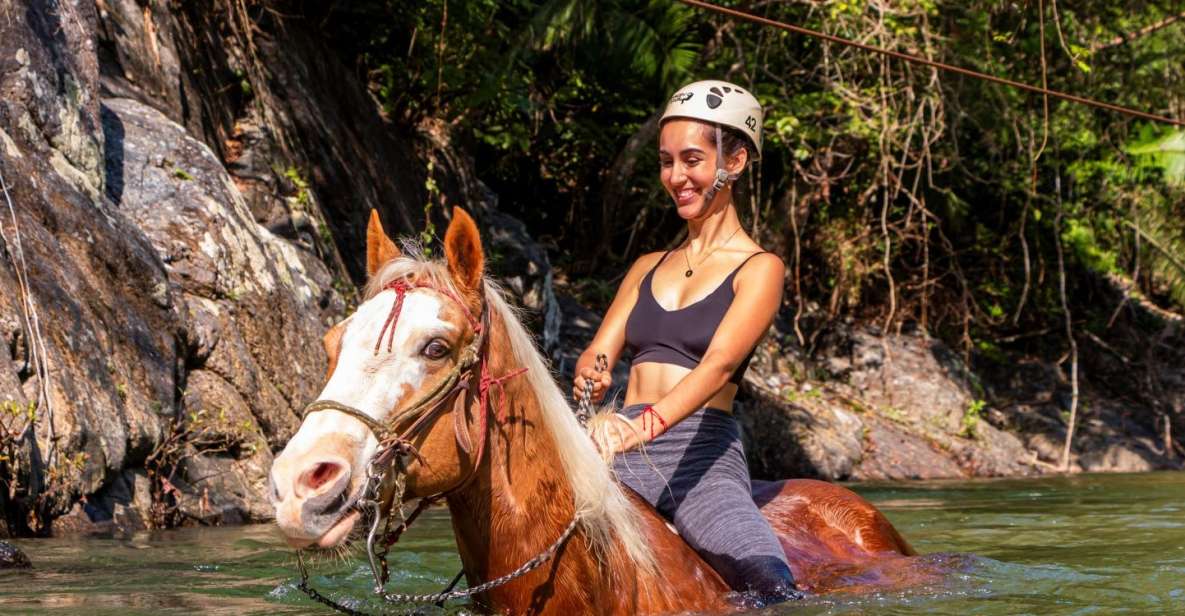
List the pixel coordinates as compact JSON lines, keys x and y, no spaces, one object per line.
{"x":722,"y":103}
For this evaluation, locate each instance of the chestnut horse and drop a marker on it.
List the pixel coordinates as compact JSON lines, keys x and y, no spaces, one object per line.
{"x":513,"y":463}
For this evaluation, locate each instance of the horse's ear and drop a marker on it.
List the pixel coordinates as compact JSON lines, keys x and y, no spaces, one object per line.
{"x":462,"y":251}
{"x":379,"y":248}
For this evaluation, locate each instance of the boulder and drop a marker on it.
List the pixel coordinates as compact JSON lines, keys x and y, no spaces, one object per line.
{"x":1121,"y":412}
{"x":11,"y":557}
{"x":301,"y":135}
{"x":873,"y":407}
{"x":798,"y":436}
{"x":251,"y":309}
{"x":126,"y":504}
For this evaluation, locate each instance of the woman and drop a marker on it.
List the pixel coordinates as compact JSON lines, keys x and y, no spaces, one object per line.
{"x":691,"y":317}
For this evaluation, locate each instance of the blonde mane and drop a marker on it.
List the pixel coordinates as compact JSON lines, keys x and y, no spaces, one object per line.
{"x":604,"y":511}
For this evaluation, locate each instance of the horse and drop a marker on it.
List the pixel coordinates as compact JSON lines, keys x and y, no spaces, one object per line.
{"x":435,"y":371}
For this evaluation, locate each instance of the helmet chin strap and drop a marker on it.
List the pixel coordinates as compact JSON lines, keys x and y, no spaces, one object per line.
{"x":722,"y":175}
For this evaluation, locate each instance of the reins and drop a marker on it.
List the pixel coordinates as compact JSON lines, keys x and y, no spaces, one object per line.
{"x":386,"y":472}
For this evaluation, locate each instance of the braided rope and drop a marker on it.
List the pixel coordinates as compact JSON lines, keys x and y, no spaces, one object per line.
{"x":584,"y":408}
{"x":331,"y":405}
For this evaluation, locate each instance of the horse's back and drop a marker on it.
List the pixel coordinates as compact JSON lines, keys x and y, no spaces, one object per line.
{"x":830,"y":534}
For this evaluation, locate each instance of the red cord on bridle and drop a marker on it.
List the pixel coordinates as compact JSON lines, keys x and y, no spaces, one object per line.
{"x":486,"y":382}
{"x":401,"y":286}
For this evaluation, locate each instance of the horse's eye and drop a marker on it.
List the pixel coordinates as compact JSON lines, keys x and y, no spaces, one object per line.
{"x":435,"y":349}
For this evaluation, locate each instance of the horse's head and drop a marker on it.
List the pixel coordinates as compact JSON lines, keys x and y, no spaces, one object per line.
{"x":392,"y":365}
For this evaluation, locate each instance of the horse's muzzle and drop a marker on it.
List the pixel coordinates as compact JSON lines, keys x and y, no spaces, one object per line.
{"x":314,"y":493}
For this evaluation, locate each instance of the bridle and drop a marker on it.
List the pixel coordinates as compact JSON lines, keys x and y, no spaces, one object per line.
{"x":386,"y":472}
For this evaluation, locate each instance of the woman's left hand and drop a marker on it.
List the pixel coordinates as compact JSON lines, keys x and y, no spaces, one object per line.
{"x":621,"y":435}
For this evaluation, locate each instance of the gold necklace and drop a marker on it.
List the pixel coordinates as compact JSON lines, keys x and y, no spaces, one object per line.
{"x":687,"y":249}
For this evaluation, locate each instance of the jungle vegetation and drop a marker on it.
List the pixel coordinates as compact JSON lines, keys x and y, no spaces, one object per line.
{"x":898,"y":195}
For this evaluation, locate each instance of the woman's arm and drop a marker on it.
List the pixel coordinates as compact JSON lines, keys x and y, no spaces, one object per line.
{"x":758,"y":297}
{"x":610,"y":337}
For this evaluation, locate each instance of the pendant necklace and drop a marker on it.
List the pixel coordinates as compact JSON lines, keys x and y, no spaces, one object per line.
{"x":690,"y":271}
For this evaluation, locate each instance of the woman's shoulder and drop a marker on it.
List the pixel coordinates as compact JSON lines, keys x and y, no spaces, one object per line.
{"x":640,"y":267}
{"x":761,"y":265}
{"x":647,"y":262}
{"x":753,"y":253}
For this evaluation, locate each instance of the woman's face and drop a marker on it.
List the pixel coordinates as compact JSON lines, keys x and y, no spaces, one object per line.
{"x":688,"y":162}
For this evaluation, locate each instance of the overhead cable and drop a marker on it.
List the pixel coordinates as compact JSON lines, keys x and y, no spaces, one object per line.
{"x":932,"y":63}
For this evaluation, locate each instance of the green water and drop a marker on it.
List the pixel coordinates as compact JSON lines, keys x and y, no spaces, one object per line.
{"x":1078,"y":545}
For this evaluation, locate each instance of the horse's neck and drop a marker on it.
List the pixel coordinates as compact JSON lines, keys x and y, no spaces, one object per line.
{"x":520,"y":502}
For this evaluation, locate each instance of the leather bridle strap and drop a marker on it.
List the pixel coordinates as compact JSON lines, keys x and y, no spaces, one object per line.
{"x":333,"y":405}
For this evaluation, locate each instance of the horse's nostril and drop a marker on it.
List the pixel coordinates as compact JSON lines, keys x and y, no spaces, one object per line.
{"x":322,"y":473}
{"x":319,"y":476}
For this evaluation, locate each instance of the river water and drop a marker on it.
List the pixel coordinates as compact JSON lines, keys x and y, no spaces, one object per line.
{"x":1098,"y":544}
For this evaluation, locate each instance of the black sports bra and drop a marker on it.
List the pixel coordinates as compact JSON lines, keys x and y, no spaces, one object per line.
{"x":679,"y":337}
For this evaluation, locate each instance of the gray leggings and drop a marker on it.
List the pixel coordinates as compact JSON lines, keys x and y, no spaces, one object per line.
{"x":702,"y":486}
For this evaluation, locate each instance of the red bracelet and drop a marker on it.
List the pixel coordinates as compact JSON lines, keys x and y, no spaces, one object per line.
{"x":649,"y":410}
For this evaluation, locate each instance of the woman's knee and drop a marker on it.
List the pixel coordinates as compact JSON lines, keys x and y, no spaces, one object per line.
{"x":767,"y":578}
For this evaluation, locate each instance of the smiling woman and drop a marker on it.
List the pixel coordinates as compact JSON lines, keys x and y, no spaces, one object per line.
{"x":691,"y":323}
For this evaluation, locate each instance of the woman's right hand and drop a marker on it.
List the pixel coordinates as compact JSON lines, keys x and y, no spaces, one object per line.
{"x":600,"y":384}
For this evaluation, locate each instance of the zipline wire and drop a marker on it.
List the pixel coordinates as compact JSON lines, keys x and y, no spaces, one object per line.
{"x":932,"y":63}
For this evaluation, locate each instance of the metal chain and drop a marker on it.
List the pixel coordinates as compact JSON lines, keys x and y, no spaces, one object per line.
{"x":527,"y":567}
{"x":439,"y":597}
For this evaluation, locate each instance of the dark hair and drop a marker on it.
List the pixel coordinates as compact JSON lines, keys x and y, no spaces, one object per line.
{"x":734,"y":140}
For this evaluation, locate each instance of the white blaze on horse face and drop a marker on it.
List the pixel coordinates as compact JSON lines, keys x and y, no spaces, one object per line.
{"x":374,"y":383}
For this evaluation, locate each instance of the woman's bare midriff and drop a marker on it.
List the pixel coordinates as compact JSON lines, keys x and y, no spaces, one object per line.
{"x":649,"y":382}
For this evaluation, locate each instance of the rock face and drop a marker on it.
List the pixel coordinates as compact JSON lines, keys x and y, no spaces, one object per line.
{"x":87,"y":316}
{"x":892,"y":407}
{"x":251,"y":307}
{"x":1130,"y":400}
{"x":299,"y":132}
{"x":148,"y":321}
{"x":185,"y":192}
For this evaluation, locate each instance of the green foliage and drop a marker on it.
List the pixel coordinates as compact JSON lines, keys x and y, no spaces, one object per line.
{"x":303,"y":197}
{"x":1166,"y":151}
{"x":970,"y":177}
{"x":971,"y":416}
{"x":1080,"y":237}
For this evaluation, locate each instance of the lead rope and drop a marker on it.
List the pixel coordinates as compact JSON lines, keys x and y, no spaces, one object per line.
{"x":584,"y":409}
